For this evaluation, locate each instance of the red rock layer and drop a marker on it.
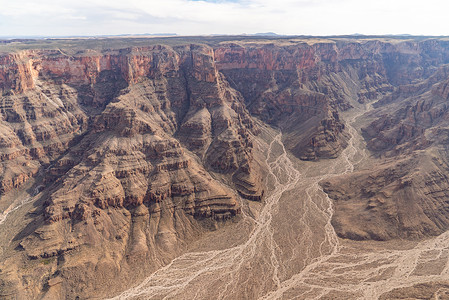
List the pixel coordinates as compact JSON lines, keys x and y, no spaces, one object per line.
{"x":131,"y":141}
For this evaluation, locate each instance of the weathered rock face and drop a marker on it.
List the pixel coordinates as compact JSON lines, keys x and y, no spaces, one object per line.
{"x":417,"y":107}
{"x":128,"y":141}
{"x":91,"y":80}
{"x":287,"y":85}
{"x":37,"y":127}
{"x":392,"y":200}
{"x":139,"y":150}
{"x":404,"y":193}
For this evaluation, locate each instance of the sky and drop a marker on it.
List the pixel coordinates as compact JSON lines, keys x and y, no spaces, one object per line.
{"x":194,"y":17}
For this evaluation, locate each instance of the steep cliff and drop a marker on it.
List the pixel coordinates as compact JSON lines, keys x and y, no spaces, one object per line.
{"x":128,"y":139}
{"x":403,"y":192}
{"x":301,"y":87}
{"x":138,"y":151}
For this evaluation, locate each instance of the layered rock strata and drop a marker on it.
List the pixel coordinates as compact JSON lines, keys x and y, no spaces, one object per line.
{"x":128,"y":140}
{"x":404,"y":193}
{"x":141,"y":150}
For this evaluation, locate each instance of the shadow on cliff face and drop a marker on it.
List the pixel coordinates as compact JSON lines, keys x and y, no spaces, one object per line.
{"x":140,"y":163}
{"x":307,"y":116}
{"x":35,"y":217}
{"x":404,"y":193}
{"x":92,"y":99}
{"x":96,"y":96}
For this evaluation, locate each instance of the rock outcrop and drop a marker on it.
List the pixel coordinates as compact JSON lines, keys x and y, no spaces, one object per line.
{"x":302,"y":87}
{"x":128,"y":140}
{"x":403,"y":193}
{"x":405,"y":198}
{"x":142,"y":149}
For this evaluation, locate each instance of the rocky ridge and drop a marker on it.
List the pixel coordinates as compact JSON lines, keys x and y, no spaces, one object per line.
{"x":156,"y":122}
{"x":139,"y":149}
{"x":404,"y":195}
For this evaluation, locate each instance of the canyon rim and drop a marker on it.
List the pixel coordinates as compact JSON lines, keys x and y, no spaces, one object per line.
{"x":231,"y":167}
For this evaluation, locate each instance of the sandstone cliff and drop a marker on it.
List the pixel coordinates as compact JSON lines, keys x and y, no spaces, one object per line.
{"x":403,"y":193}
{"x":301,"y":87}
{"x":140,"y":150}
{"x":128,"y":139}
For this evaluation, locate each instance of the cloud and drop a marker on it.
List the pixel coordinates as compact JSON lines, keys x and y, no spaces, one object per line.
{"x":188,"y":17}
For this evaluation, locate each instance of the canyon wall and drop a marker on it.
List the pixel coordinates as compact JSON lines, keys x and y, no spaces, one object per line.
{"x":139,"y":151}
{"x":402,"y":192}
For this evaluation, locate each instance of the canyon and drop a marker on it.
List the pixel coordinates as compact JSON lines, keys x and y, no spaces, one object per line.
{"x":224,"y":168}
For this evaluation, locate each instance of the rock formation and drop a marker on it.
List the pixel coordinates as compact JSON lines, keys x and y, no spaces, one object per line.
{"x":140,"y":150}
{"x":124,"y":136}
{"x":403,"y":194}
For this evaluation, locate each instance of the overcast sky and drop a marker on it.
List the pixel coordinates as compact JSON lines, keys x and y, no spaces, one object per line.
{"x":188,"y":17}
